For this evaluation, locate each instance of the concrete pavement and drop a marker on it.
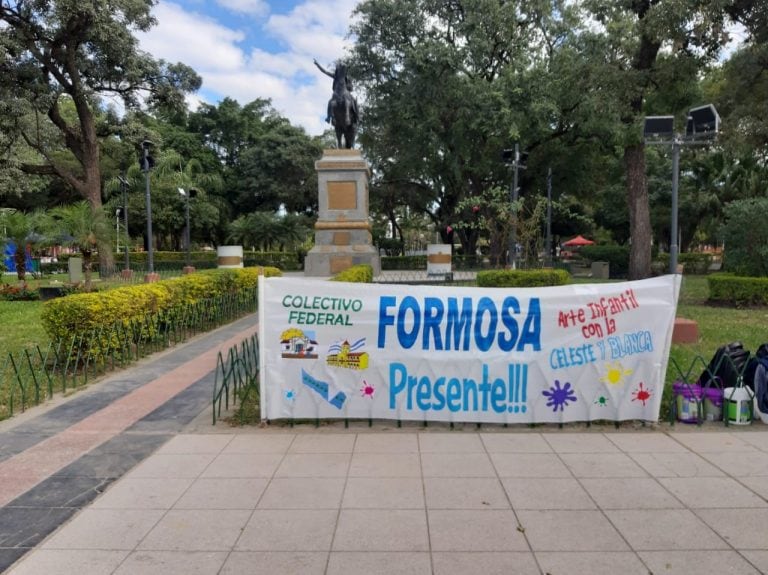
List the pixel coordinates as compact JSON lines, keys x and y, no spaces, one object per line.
{"x":130,"y":477}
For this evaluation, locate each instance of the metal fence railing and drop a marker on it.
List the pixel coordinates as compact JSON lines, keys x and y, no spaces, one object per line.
{"x":237,"y":377}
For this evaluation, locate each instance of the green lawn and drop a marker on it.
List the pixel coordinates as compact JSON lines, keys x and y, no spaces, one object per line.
{"x":20,"y":327}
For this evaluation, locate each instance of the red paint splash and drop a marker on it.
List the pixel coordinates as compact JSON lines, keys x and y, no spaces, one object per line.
{"x":641,"y":394}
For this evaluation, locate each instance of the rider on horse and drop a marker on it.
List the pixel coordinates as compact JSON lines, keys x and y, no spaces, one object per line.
{"x":342,"y":88}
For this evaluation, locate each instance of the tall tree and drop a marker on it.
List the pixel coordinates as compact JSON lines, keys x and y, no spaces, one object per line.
{"x":228,"y":128}
{"x":444,"y":95}
{"x":652,"y":50}
{"x":76,"y":51}
{"x":277,"y":168}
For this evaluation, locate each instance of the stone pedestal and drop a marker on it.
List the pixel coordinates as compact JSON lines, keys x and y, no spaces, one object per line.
{"x":342,"y":231}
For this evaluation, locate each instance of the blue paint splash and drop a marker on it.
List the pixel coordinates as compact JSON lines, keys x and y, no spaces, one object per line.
{"x":321,"y":388}
{"x":559,"y":397}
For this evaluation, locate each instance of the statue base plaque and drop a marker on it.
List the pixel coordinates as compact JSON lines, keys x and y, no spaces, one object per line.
{"x":342,"y":231}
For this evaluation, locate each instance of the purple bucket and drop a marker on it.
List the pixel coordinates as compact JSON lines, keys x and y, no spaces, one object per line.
{"x":688,"y":399}
{"x":713,"y":404}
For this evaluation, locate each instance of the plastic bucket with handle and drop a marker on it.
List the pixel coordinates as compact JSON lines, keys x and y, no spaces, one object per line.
{"x":737,"y":403}
{"x":688,"y":399}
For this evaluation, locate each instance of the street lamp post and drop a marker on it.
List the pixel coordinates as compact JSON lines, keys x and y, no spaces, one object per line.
{"x":187,"y":195}
{"x":117,"y":230}
{"x":548,"y":244}
{"x":147,"y":162}
{"x":702,"y":126}
{"x":513,"y":158}
{"x":124,"y":190}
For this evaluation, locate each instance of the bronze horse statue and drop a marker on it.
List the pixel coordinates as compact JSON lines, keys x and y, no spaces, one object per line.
{"x":342,"y":107}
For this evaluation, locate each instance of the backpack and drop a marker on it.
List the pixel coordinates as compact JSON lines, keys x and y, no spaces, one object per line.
{"x":726,"y":366}
{"x":760,"y":358}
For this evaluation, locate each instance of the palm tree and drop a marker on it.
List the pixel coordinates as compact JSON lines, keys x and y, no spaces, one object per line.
{"x":86,"y":230}
{"x":22,"y":229}
{"x":293,"y":231}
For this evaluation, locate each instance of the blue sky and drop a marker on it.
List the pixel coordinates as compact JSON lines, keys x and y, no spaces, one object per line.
{"x":248,"y":49}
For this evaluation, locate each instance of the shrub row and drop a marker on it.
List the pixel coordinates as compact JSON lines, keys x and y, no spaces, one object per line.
{"x":729,"y":289}
{"x":81,"y":313}
{"x":176,"y":260}
{"x":616,"y":256}
{"x":355,"y":274}
{"x":404,"y":263}
{"x":522,"y":278}
{"x":693,"y":263}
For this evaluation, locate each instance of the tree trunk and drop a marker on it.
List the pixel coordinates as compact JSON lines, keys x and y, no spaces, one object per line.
{"x":92,"y":193}
{"x":20,"y":260}
{"x":639,"y":213}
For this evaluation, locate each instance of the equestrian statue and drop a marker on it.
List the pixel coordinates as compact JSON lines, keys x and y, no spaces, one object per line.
{"x":342,"y":107}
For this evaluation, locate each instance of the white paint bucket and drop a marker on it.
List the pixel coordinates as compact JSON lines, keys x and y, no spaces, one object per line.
{"x":229,"y":256}
{"x":737,"y":404}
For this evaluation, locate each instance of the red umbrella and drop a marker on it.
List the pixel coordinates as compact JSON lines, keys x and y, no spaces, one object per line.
{"x":578,"y":241}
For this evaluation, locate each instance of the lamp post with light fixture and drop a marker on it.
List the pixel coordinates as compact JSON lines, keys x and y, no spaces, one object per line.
{"x":188,"y":268}
{"x":148,"y":162}
{"x":126,"y":273}
{"x":702,"y":126}
{"x":517,"y":161}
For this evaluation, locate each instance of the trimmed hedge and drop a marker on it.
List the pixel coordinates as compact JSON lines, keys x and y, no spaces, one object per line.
{"x":693,"y":263}
{"x":78,"y":314}
{"x":725,"y":288}
{"x":404,"y":262}
{"x":616,"y":256}
{"x":523,"y":278}
{"x":356,"y":274}
{"x":458,"y":262}
{"x":162,"y":261}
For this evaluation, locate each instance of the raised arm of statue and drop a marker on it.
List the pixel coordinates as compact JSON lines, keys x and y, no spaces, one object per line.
{"x":323,"y":70}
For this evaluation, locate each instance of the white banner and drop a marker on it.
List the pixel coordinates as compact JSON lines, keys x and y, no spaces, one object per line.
{"x":504,"y":355}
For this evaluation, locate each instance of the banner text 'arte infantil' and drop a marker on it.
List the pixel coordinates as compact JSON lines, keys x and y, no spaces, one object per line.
{"x":571,"y":353}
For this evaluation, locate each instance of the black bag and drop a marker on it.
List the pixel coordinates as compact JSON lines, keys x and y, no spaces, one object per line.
{"x":761,"y":357}
{"x":726,"y":366}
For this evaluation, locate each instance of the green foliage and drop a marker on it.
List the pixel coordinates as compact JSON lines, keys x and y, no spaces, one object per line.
{"x":278,"y":169}
{"x":59,"y":58}
{"x":404,"y":262}
{"x":356,"y":274}
{"x":616,"y":256}
{"x":745,"y":233}
{"x":522,"y":278}
{"x":267,"y":231}
{"x":737,"y":291}
{"x":81,"y":313}
{"x":392,"y":246}
{"x":289,"y":260}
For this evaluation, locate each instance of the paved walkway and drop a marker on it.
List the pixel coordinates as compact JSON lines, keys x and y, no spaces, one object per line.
{"x":130,"y":477}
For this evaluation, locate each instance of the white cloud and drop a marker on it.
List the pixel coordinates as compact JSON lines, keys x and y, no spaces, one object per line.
{"x":194,"y":39}
{"x":252,"y":7}
{"x":282,"y":72}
